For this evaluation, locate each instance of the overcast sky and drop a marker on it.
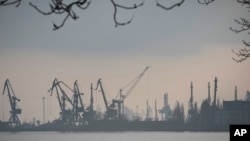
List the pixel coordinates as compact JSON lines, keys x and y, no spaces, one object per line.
{"x":190,"y":43}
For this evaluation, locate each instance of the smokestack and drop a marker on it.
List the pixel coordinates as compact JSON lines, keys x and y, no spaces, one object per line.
{"x":91,"y":98}
{"x":165,"y":99}
{"x":209,"y":97}
{"x":191,"y":98}
{"x":215,"y":90}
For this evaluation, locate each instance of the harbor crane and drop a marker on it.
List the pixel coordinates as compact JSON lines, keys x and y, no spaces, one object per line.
{"x":14,"y":120}
{"x":133,"y":83}
{"x":69,"y":115}
{"x":61,"y":98}
{"x":110,"y":113}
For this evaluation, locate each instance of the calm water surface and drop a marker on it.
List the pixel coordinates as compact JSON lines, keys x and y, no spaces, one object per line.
{"x":115,"y":136}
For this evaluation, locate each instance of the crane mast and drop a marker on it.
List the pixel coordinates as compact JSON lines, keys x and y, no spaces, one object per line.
{"x":78,"y":98}
{"x":77,"y":110}
{"x":14,"y":120}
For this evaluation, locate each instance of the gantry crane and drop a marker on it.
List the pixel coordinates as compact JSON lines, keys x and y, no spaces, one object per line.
{"x":110,"y":113}
{"x":132,"y":84}
{"x":14,"y":120}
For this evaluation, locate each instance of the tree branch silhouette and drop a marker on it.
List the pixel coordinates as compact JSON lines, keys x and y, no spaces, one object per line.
{"x":206,"y":2}
{"x":178,"y":4}
{"x":10,"y":2}
{"x":116,"y":6}
{"x":243,"y":53}
{"x":59,"y":7}
{"x":244,"y":24}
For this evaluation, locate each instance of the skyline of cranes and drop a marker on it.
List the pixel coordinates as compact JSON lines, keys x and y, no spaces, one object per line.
{"x":75,"y":114}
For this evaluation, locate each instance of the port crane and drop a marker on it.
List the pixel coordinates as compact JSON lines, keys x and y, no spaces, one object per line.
{"x":133,"y":83}
{"x":110,"y":113}
{"x":70,"y":115}
{"x":14,"y":120}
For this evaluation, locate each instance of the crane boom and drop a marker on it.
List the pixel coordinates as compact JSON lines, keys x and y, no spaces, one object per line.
{"x":56,"y":84}
{"x":135,"y":82}
{"x":99,"y":83}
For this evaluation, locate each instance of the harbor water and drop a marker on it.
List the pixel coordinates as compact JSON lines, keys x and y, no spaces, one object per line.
{"x":114,"y":136}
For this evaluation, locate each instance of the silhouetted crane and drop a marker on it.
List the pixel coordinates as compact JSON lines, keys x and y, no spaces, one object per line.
{"x":14,"y":120}
{"x":110,"y":111}
{"x":132,"y":84}
{"x":70,"y":115}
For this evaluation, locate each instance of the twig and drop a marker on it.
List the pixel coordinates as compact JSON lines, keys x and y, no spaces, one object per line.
{"x":116,"y":6}
{"x":58,"y":7}
{"x":178,"y":4}
{"x":9,"y":2}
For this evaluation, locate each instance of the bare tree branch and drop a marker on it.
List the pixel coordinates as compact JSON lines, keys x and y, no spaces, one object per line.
{"x":206,"y":2}
{"x":242,"y":54}
{"x":10,"y":2}
{"x":169,"y":7}
{"x":243,"y":2}
{"x":59,"y":7}
{"x":116,"y":6}
{"x":244,"y":24}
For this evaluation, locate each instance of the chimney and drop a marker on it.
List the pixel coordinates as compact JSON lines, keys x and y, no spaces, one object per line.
{"x":165,"y":99}
{"x":209,"y":97}
{"x":191,"y":97}
{"x":215,"y":90}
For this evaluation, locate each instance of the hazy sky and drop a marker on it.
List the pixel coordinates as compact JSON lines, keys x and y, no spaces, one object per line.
{"x":190,"y":43}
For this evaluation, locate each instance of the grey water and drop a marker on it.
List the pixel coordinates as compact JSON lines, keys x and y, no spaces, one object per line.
{"x":114,"y":136}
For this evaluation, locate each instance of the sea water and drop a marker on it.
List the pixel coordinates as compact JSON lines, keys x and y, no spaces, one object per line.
{"x":114,"y":136}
